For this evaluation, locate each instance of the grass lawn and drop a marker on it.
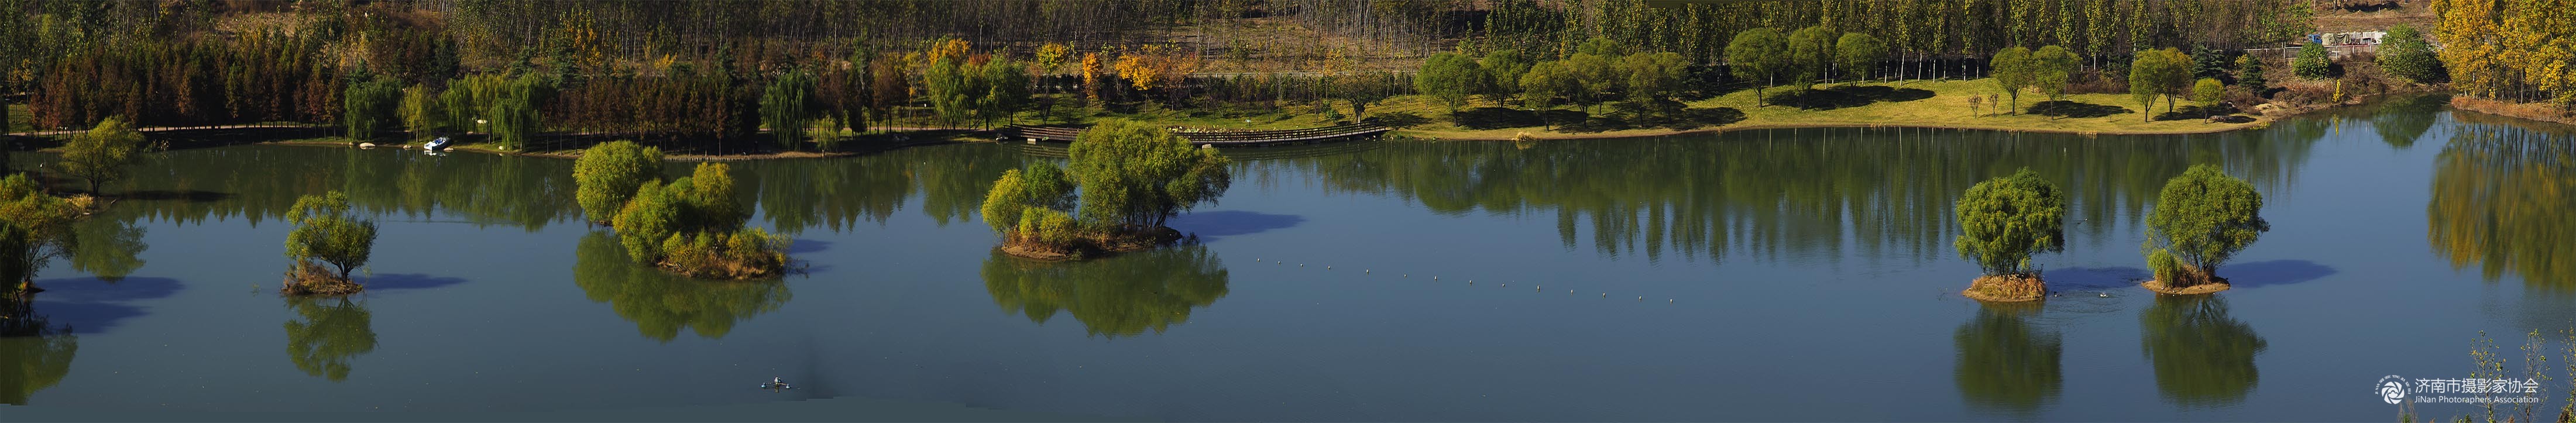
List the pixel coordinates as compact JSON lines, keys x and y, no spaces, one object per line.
{"x":1911,"y":103}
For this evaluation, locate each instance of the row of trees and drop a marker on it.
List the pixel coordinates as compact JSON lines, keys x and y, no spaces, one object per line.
{"x":258,"y":77}
{"x":2508,"y":49}
{"x":1917,"y":32}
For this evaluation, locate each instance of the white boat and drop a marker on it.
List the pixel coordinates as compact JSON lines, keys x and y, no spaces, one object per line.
{"x":435,"y":145}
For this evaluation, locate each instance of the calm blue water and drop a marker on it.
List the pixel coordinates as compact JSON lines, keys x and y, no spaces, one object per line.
{"x":1784,"y":275}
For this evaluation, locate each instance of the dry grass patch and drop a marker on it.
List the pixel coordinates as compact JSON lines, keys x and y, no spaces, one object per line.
{"x":2006,"y":288}
{"x":308,"y":278}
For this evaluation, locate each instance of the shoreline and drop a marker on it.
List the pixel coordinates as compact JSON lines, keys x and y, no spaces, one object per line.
{"x":2259,"y":122}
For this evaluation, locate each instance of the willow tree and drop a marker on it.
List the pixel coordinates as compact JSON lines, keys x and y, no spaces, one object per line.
{"x":1136,"y":176}
{"x":2201,"y":219}
{"x":608,"y":174}
{"x":2052,"y":69}
{"x":327,"y":232}
{"x":787,"y":106}
{"x":370,"y":107}
{"x":100,"y":155}
{"x":2003,"y":222}
{"x":2013,"y":72}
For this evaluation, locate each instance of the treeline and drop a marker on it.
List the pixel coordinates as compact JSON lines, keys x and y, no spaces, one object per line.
{"x":254,"y":78}
{"x":1913,"y":30}
{"x":2518,"y":50}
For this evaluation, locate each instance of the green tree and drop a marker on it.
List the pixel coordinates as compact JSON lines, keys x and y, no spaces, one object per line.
{"x":422,"y":112}
{"x":326,"y":231}
{"x":1544,"y":83}
{"x":2004,"y":221}
{"x":2249,"y":73}
{"x":1811,"y":53}
{"x":787,"y":107}
{"x":2202,"y":219}
{"x":1653,"y":76}
{"x":651,"y":216}
{"x":607,"y":175}
{"x":1857,"y":53}
{"x":1757,"y":54}
{"x":2154,"y":73}
{"x":1137,"y":175}
{"x":39,"y":226}
{"x":1449,"y":77}
{"x":513,"y":122}
{"x":2013,"y":71}
{"x":2052,"y":69}
{"x":1006,"y":90}
{"x":101,"y":154}
{"x":2312,"y":63}
{"x":1594,"y":77}
{"x":2207,"y":91}
{"x":1039,"y":185}
{"x":2405,"y":53}
{"x":370,"y":107}
{"x":1503,"y":73}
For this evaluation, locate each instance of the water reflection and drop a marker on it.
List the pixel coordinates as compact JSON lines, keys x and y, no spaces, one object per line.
{"x":2503,"y":192}
{"x":837,"y":193}
{"x":258,"y":183}
{"x":1790,"y":194}
{"x":107,"y":247}
{"x":2400,"y":122}
{"x":661,"y":303}
{"x":2202,"y":357}
{"x":332,"y":331}
{"x":1122,"y":295}
{"x":34,"y":354}
{"x":2007,"y":365}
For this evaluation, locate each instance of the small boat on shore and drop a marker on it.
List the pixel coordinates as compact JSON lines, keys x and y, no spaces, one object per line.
{"x":435,"y":145}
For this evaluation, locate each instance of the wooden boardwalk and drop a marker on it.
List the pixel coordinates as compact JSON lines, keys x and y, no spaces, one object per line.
{"x":1066,"y":134}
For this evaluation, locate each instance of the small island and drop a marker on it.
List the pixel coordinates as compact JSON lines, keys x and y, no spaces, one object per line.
{"x":691,"y":226}
{"x":326,"y":234}
{"x":1125,"y":179}
{"x":2002,"y":223}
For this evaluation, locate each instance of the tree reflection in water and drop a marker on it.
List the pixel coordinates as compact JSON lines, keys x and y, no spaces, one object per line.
{"x":33,"y":354}
{"x":661,"y":303}
{"x":1792,"y":195}
{"x":2007,"y":365}
{"x":2503,"y":192}
{"x":1122,"y":295}
{"x":333,"y":330}
{"x":2202,"y":357}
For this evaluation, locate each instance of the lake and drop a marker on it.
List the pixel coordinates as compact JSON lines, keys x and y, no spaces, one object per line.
{"x":1802,"y":274}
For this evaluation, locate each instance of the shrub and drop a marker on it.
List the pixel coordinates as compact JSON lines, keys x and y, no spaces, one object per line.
{"x":608,"y":174}
{"x":2312,"y":63}
{"x":2407,"y":55}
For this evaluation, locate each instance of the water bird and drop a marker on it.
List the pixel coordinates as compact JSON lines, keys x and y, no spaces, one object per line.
{"x":1668,"y":301}
{"x":2103,"y":294}
{"x":1641,"y":298}
{"x":776,"y":384}
{"x":1605,"y":295}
